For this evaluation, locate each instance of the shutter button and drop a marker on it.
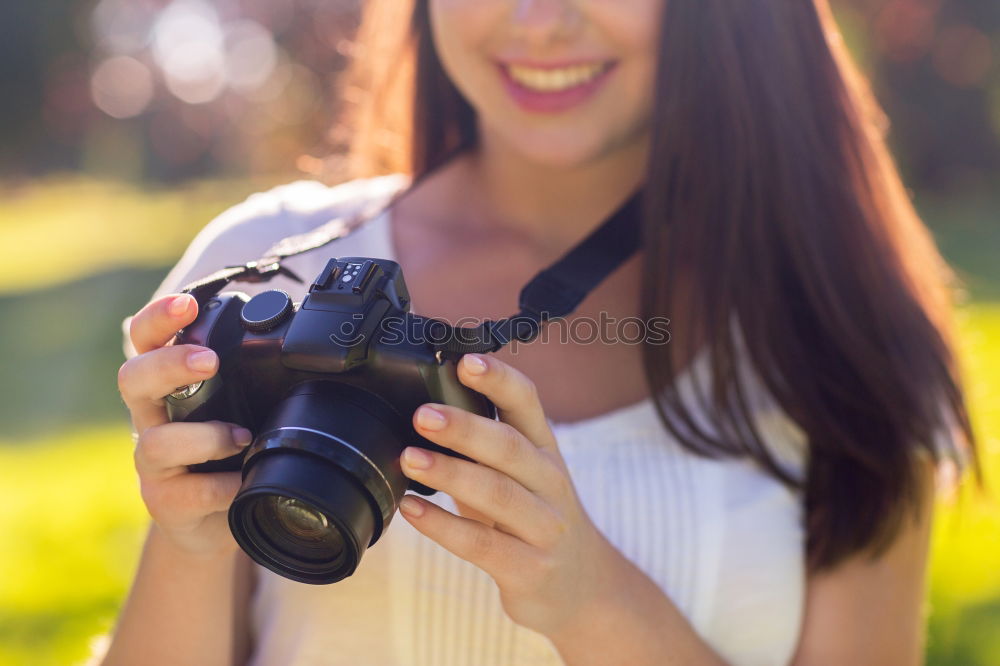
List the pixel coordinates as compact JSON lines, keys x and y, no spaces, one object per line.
{"x":266,"y":310}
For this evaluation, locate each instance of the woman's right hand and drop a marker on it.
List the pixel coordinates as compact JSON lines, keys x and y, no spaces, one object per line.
{"x":188,"y":508}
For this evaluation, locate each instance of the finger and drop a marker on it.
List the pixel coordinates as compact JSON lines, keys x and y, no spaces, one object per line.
{"x":512,"y":392}
{"x":489,"y":549}
{"x":166,"y":450}
{"x":187,"y":498}
{"x":502,"y":499}
{"x":155,"y":324}
{"x":496,"y":444}
{"x":144,"y":380}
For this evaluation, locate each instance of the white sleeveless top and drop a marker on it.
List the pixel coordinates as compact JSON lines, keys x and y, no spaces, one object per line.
{"x":722,"y":539}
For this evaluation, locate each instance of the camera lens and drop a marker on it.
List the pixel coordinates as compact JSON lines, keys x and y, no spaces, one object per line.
{"x":299,"y":518}
{"x":320,"y":483}
{"x":294,"y":528}
{"x":302,"y":517}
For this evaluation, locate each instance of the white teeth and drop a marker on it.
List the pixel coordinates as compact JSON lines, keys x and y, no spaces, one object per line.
{"x":551,"y":80}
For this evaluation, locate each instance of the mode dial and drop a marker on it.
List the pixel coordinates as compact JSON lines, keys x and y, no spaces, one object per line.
{"x":266,"y":310}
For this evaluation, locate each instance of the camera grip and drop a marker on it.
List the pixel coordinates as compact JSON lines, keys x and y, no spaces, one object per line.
{"x":233,"y":463}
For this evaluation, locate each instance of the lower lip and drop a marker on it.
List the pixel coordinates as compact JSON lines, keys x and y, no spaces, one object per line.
{"x":553,"y":102}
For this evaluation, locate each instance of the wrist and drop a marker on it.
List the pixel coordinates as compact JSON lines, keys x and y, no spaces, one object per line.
{"x":630,"y":621}
{"x":196,"y":553}
{"x":604,"y":607}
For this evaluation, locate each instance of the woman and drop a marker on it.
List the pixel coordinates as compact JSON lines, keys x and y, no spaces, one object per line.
{"x":758,"y":491}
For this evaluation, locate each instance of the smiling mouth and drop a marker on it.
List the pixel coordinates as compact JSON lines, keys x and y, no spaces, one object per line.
{"x":555,"y":79}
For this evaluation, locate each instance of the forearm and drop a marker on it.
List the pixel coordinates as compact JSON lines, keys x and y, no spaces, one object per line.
{"x":181,"y":609}
{"x":633,"y":623}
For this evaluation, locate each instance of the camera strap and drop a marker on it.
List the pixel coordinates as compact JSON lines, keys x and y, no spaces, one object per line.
{"x":269,"y":266}
{"x":553,"y":293}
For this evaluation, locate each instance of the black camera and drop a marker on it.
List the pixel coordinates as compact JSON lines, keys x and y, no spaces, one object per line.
{"x":328,"y":387}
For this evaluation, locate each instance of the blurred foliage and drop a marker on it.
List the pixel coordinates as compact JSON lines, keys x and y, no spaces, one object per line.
{"x":967,"y":231}
{"x":935,"y":66}
{"x":167,"y":90}
{"x":73,"y":536}
{"x":964,"y":624}
{"x":77,"y":226}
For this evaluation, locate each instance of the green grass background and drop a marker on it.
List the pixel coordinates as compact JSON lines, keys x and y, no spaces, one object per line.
{"x":71,"y":521}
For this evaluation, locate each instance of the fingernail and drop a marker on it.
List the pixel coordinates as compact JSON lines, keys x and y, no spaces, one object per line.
{"x":430,"y":418}
{"x":202,"y":361}
{"x":242,"y":436}
{"x":474,"y":364}
{"x":417,"y":458}
{"x":411,"y":506}
{"x":179,"y":305}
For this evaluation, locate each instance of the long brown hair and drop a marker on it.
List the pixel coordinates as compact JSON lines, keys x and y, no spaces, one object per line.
{"x":770,"y":194}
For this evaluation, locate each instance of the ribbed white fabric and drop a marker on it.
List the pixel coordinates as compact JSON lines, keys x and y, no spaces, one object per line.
{"x":722,"y":539}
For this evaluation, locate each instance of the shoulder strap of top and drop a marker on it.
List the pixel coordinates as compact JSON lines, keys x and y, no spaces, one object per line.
{"x":269,"y":265}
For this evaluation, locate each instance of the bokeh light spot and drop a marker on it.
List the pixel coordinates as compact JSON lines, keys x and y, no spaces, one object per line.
{"x":122,"y":26}
{"x":963,"y":56}
{"x":905,"y":28}
{"x":188,"y":47}
{"x":251,"y":55}
{"x":121,"y":87}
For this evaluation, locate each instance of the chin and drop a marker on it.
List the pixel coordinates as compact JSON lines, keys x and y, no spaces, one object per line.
{"x":557,"y":152}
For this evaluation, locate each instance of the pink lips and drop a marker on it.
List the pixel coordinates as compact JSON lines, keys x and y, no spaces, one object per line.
{"x":552,"y":102}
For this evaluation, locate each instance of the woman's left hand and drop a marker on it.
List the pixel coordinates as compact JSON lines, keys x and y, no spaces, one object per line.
{"x":522,"y":522}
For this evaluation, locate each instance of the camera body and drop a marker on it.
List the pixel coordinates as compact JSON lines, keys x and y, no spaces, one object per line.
{"x":328,"y":388}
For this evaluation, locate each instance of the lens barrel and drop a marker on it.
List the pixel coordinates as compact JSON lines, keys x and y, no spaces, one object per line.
{"x":320,"y":482}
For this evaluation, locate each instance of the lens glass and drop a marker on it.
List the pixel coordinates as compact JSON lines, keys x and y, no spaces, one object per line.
{"x":294,"y":529}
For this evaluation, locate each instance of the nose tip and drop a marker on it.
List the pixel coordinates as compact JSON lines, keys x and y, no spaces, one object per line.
{"x":543,"y":20}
